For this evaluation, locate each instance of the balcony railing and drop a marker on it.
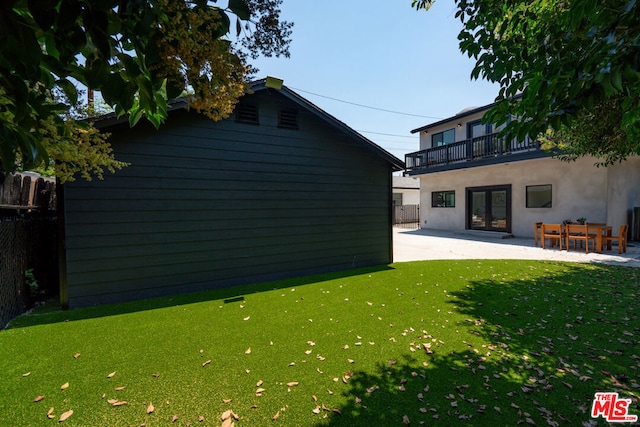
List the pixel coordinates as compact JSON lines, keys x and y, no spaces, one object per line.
{"x":483,"y":147}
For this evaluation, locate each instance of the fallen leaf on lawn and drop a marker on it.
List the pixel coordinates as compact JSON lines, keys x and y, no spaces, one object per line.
{"x":358,"y":400}
{"x":369,"y":303}
{"x":112,"y":401}
{"x":155,"y":375}
{"x":200,"y":419}
{"x":292,"y":364}
{"x":311,"y":343}
{"x":111,"y":374}
{"x":226,"y":414}
{"x":346,"y":346}
{"x":308,"y":351}
{"x":122,"y":387}
{"x":26,"y":374}
{"x":247,"y":318}
{"x":514,"y":406}
{"x":64,"y":386}
{"x":568,"y":385}
{"x":337,"y":411}
{"x":316,"y":410}
{"x":276,"y":416}
{"x":248,"y":351}
{"x":75,"y":356}
{"x":174,"y":418}
{"x":227,"y":423}
{"x":65,"y":415}
{"x":38,"y":398}
{"x":350,"y":360}
{"x":120,"y":403}
{"x":226,"y":400}
{"x":405,"y":420}
{"x":206,"y":363}
{"x":292,"y":383}
{"x":150,"y":408}
{"x":497,"y":409}
{"x":50,"y":413}
{"x":259,"y":383}
{"x":454,"y":404}
{"x":329,"y":391}
{"x":260,"y":391}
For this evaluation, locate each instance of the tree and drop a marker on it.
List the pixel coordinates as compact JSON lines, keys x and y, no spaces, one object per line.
{"x":138,"y":53}
{"x":560,"y":65}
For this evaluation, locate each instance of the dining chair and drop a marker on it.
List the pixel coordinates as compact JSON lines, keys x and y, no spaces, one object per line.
{"x":621,"y":238}
{"x":578,"y":233}
{"x":536,"y":232}
{"x":553,"y":232}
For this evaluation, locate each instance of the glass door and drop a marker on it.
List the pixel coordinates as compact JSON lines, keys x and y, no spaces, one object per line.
{"x":489,"y":208}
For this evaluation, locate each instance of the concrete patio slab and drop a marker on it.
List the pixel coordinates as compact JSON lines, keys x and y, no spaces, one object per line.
{"x":430,"y":244}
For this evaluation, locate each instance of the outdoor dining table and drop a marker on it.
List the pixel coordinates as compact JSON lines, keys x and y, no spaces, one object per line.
{"x":600,"y":230}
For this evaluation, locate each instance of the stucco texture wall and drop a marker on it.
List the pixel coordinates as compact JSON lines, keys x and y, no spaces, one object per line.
{"x":579,"y":189}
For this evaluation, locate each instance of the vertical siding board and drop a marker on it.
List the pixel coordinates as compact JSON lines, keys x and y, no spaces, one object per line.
{"x":208,"y":204}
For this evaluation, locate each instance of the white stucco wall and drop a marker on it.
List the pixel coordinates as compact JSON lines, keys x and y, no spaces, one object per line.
{"x":623,"y":192}
{"x":579,"y":189}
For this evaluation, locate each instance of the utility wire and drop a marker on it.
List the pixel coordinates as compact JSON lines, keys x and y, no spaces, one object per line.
{"x":366,"y":106}
{"x":388,"y":134}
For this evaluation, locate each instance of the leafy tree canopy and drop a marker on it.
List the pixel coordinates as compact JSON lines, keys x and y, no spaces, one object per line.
{"x":137,"y":53}
{"x":567,"y":69}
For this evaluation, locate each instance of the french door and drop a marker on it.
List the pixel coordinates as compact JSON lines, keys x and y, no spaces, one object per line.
{"x":489,"y":208}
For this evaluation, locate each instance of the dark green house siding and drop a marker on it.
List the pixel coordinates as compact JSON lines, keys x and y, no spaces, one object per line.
{"x":214,"y":204}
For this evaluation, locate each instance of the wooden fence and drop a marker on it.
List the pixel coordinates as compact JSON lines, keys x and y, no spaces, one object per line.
{"x":406,"y":216}
{"x":26,"y":192}
{"x":28,"y":243}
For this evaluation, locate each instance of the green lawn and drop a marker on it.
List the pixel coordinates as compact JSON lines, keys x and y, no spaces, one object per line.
{"x":434,"y":343}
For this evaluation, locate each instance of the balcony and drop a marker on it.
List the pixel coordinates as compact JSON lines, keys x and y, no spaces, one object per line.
{"x":483,"y":150}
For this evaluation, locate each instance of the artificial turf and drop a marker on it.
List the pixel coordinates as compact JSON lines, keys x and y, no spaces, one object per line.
{"x":473,"y":342}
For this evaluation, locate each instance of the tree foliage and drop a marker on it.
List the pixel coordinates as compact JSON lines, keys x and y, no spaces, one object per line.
{"x":560,"y":64}
{"x":137,"y":53}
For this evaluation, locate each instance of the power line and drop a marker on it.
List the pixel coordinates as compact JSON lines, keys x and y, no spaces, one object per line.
{"x":388,"y":134}
{"x":366,"y":106}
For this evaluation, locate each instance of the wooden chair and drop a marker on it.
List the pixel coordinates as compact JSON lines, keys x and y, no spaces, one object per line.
{"x":553,"y":232}
{"x":621,"y":238}
{"x":577,"y":233}
{"x":536,"y":232}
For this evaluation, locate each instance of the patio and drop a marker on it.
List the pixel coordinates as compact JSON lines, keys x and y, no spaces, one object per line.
{"x":428,"y":244}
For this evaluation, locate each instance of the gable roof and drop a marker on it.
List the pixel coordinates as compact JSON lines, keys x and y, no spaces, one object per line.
{"x":260,"y":85}
{"x":464,"y":113}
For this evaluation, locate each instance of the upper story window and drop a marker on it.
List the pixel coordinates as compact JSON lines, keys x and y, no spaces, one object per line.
{"x":443,"y":138}
{"x":476,"y":129}
{"x":247,"y":113}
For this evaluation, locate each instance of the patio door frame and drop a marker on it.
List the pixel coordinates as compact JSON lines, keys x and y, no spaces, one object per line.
{"x":488,"y":190}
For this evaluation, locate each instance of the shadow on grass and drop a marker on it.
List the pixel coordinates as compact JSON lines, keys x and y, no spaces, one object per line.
{"x":530,"y":351}
{"x":52,"y":312}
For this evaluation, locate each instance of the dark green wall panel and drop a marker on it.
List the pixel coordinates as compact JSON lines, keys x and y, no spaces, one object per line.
{"x":212,"y":204}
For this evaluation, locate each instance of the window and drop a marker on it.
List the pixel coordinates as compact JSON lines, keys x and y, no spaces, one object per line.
{"x":247,"y":113}
{"x":288,"y":119}
{"x":539,"y":196}
{"x":476,"y":129}
{"x":443,"y":199}
{"x":443,"y":138}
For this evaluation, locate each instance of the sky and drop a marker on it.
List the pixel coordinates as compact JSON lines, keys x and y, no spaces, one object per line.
{"x":381,"y":54}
